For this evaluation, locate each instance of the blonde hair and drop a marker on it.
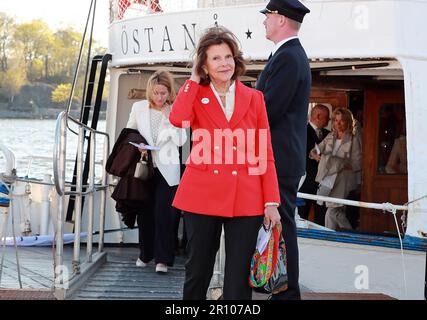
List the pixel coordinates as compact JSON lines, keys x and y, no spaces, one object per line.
{"x":160,"y":77}
{"x":347,"y":116}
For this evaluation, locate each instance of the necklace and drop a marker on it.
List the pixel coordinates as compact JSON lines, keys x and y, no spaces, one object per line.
{"x":221,"y":94}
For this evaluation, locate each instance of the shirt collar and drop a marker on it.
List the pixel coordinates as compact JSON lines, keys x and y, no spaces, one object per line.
{"x":313,"y":126}
{"x":279,"y":44}
{"x":231,"y":89}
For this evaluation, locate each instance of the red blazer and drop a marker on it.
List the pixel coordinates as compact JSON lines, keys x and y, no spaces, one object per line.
{"x":220,"y":178}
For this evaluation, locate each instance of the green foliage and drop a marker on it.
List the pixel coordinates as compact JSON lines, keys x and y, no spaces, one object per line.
{"x":61,"y":93}
{"x":13,"y":78}
{"x":31,"y":52}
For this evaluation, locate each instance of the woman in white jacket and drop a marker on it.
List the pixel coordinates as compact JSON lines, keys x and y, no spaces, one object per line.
{"x":158,"y":224}
{"x":340,"y":160}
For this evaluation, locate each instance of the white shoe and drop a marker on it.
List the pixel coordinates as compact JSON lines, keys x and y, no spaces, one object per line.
{"x":140,"y":263}
{"x":161,"y":268}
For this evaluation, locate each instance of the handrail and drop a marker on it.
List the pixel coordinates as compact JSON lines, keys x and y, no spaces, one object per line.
{"x":59,"y":161}
{"x":389,"y":207}
{"x":67,"y":184}
{"x":60,"y":142}
{"x":86,"y":127}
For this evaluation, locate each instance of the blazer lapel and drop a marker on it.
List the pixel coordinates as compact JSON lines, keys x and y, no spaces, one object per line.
{"x":146,"y":123}
{"x":211,"y":106}
{"x":241,"y":104}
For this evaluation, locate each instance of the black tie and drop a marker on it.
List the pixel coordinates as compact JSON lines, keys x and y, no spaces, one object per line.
{"x":320,"y":134}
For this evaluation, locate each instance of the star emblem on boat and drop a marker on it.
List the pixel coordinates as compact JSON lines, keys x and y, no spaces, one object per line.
{"x":248,"y":34}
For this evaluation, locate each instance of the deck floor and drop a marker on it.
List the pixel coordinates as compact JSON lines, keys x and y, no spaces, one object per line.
{"x":118,"y":279}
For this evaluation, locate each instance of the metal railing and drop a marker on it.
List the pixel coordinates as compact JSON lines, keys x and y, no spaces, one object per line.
{"x":59,"y":161}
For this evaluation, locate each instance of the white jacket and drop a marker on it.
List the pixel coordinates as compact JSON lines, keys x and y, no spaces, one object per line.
{"x":168,"y":140}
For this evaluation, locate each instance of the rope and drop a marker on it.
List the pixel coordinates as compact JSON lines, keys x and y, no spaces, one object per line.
{"x":401,"y":253}
{"x":385,"y":207}
{"x":416,"y":200}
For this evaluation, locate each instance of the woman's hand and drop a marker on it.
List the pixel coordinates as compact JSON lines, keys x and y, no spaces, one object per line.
{"x":271,"y":215}
{"x":143,"y":152}
{"x":315,"y":156}
{"x":194,"y":75}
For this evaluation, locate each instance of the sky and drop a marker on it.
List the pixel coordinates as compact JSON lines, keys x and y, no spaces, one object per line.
{"x":61,"y":13}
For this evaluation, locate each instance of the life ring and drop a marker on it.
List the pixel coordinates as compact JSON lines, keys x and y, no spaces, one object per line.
{"x":4,"y":195}
{"x":10,"y":160}
{"x":10,"y":166}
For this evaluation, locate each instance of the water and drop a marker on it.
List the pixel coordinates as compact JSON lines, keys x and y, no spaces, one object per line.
{"x":32,"y":143}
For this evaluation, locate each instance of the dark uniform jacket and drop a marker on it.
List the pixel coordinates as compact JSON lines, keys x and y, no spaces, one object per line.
{"x":130,"y":193}
{"x":286,"y":83}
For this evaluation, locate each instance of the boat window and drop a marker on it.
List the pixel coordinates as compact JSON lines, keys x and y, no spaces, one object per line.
{"x":392,"y":140}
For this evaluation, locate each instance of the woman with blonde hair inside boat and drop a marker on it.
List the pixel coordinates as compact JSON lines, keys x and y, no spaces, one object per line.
{"x":158,"y":223}
{"x":339,"y":156}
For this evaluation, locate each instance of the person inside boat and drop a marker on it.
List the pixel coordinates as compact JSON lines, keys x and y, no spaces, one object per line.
{"x":222,"y":186}
{"x":397,"y":162}
{"x":339,"y":156}
{"x":158,"y":224}
{"x":316,"y":132}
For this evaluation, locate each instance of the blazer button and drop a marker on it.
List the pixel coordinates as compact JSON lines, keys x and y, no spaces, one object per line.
{"x":234,"y":173}
{"x":216,"y":171}
{"x":234,"y":148}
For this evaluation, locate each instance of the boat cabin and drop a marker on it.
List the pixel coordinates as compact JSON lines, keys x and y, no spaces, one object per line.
{"x":366,"y":56}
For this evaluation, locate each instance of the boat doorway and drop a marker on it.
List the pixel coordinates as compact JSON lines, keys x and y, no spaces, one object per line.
{"x":385,"y":174}
{"x":379,"y":112}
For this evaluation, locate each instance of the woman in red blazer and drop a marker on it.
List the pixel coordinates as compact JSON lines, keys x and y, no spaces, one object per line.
{"x":230,"y":177}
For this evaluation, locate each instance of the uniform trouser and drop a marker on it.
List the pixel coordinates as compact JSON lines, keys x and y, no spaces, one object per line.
{"x":288,"y":195}
{"x":336,"y":217}
{"x":203,"y":236}
{"x":158,"y":224}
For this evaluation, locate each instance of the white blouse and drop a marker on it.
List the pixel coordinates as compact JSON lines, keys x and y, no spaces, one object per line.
{"x":229,"y":100}
{"x":155,"y":119}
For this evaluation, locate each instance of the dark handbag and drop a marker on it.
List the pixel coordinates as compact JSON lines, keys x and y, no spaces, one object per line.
{"x":278,"y":281}
{"x":142,"y":171}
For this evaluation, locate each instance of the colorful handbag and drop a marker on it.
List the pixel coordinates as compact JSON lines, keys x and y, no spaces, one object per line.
{"x":263,"y":264}
{"x":278,"y":281}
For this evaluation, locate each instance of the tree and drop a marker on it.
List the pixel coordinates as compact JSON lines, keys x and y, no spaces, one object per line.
{"x":7,"y":26}
{"x":65,"y":50}
{"x":61,"y":93}
{"x":13,"y":78}
{"x":37,"y":40}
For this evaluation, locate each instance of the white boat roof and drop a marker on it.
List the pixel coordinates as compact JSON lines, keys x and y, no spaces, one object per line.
{"x":339,"y":29}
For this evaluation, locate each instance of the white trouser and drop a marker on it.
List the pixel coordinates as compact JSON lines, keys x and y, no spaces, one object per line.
{"x":336,"y":217}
